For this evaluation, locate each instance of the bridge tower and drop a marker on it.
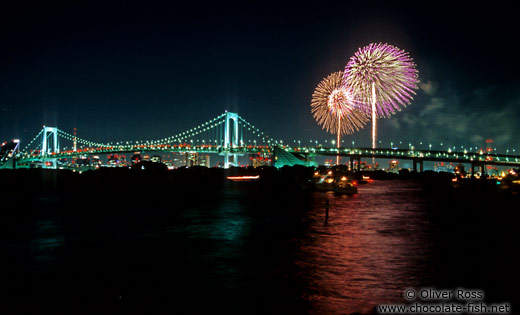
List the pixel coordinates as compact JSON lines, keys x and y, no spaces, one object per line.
{"x":230,"y":139}
{"x":50,"y":145}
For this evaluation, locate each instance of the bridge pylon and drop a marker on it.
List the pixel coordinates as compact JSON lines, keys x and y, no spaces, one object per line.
{"x":230,"y":139}
{"x":50,"y":145}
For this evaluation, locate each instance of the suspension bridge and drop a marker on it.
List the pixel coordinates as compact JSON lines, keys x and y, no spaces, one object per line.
{"x":230,"y":136}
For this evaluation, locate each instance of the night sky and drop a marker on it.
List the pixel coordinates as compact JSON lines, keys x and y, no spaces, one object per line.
{"x":148,"y":70}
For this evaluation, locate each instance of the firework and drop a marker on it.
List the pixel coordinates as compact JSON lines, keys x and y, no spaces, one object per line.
{"x":383,"y":78}
{"x":382,"y":73}
{"x":335,"y":108}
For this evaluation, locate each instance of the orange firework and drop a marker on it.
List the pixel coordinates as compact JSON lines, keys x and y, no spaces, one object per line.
{"x":334,"y":107}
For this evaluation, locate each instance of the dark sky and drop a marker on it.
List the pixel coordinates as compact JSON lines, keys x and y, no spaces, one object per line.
{"x":147,"y":70}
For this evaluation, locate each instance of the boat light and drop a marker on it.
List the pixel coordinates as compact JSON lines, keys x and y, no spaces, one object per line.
{"x":239,"y":178}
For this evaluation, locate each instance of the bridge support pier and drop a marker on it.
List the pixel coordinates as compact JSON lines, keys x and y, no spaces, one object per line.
{"x":230,"y":162}
{"x":421,"y":166}
{"x":355,"y":158}
{"x":482,"y":169}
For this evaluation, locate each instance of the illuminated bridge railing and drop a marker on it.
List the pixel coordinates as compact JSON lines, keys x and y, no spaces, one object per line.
{"x":427,"y":155}
{"x":387,"y":153}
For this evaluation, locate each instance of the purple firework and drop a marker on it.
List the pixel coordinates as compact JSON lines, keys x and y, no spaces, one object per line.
{"x":383,"y":78}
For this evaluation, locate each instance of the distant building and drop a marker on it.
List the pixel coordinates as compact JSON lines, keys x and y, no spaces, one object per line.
{"x":136,"y":158}
{"x":443,"y":167}
{"x":196,"y":159}
{"x":81,"y":160}
{"x":393,"y":166}
{"x":204,"y":160}
{"x":259,"y":160}
{"x":178,"y":160}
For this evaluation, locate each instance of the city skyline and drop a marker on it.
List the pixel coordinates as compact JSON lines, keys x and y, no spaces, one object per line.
{"x":126,"y":71}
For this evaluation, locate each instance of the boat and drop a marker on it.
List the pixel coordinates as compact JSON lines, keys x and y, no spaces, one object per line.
{"x":365,"y":180}
{"x":345,"y":186}
{"x":339,"y":185}
{"x":325,"y":183}
{"x":245,"y":178}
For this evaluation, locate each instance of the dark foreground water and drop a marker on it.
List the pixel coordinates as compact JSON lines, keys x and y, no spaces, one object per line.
{"x":247,"y":249}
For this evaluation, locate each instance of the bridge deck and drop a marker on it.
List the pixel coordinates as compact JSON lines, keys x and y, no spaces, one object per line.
{"x":384,"y":153}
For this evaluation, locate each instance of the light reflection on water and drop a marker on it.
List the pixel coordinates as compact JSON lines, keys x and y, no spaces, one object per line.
{"x":215,"y":236}
{"x":241,"y":250}
{"x":47,"y":238}
{"x":373,"y":246}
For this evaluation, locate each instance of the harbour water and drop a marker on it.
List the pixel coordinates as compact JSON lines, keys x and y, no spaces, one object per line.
{"x":245,"y":249}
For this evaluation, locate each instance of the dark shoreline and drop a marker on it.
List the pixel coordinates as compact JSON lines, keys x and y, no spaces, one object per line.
{"x":155,"y":180}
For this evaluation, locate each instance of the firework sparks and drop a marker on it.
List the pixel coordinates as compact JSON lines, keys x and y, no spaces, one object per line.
{"x":334,"y":107}
{"x":383,"y":78}
{"x":386,"y":69}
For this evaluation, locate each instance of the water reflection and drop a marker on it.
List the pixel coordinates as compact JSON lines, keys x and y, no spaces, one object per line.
{"x":241,"y":249}
{"x":211,"y":238}
{"x":47,"y":238}
{"x":373,"y":245}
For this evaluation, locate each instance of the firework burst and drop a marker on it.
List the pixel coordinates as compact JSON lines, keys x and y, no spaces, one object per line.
{"x":382,"y":74}
{"x":383,"y":78}
{"x":334,"y":107}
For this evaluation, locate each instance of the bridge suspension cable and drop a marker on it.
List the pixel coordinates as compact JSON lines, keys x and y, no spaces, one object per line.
{"x":70,"y":137}
{"x":24,"y":151}
{"x":209,"y":134}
